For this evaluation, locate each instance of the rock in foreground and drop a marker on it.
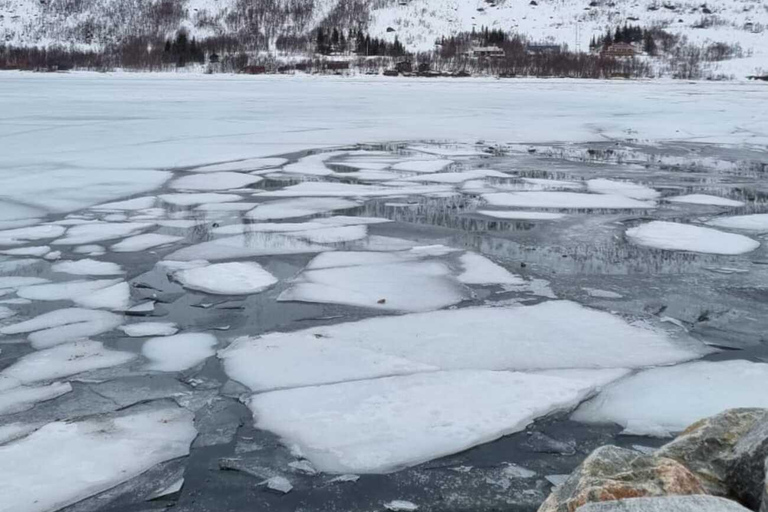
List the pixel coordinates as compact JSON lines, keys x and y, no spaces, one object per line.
{"x":666,"y":504}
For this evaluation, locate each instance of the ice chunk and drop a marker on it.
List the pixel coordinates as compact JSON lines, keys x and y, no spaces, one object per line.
{"x":67,"y":290}
{"x":251,"y":164}
{"x":480,"y":270}
{"x":178,"y":352}
{"x":332,"y":235}
{"x":672,"y":398}
{"x":401,"y":506}
{"x":457,"y":177}
{"x":422,"y":166}
{"x":243,"y":246}
{"x":144,"y":329}
{"x":293,"y":208}
{"x":220,"y":181}
{"x":553,"y":184}
{"x":279,"y":484}
{"x":90,"y":250}
{"x":116,"y":297}
{"x":64,"y":325}
{"x":22,"y":235}
{"x":139,"y":203}
{"x":201,"y":198}
{"x":53,"y":256}
{"x":64,"y":360}
{"x":235,"y":278}
{"x":312,"y":165}
{"x":622,"y":188}
{"x":64,"y":462}
{"x":143,"y":242}
{"x":290,"y":360}
{"x":37,"y":250}
{"x":704,"y":199}
{"x":87,"y":267}
{"x":382,"y":425}
{"x":100,"y":231}
{"x":685,"y":237}
{"x":13,"y":282}
{"x":565,"y":200}
{"x":520,"y":215}
{"x":757,"y":222}
{"x":21,"y":398}
{"x":399,"y":285}
{"x":330,"y":189}
{"x":5,"y":312}
{"x":550,"y":335}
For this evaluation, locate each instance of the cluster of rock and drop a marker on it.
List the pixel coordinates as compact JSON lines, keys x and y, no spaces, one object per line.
{"x":717,"y":465}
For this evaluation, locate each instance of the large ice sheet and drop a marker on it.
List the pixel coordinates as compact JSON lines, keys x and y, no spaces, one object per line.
{"x":757,"y":222}
{"x":565,"y":200}
{"x":64,"y":325}
{"x":218,"y":181}
{"x":100,"y":231}
{"x":64,"y":360}
{"x":662,"y":400}
{"x":235,"y":278}
{"x":294,"y":208}
{"x":178,"y":352}
{"x":243,"y":246}
{"x":381,"y":425}
{"x":673,"y":236}
{"x":64,"y":462}
{"x":397,"y":283}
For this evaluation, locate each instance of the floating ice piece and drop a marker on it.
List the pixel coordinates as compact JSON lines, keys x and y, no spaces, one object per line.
{"x":243,"y":246}
{"x":672,"y":236}
{"x":14,"y":282}
{"x":225,"y":207}
{"x":200,"y":198}
{"x":565,"y":200}
{"x":303,"y":466}
{"x":556,"y":480}
{"x":279,"y":484}
{"x":520,"y":215}
{"x":87,"y":267}
{"x":550,"y":335}
{"x":670,"y":399}
{"x":21,"y":398}
{"x":382,"y":425}
{"x":143,"y":308}
{"x":293,"y":208}
{"x":622,"y":188}
{"x":166,"y":491}
{"x":331,"y":235}
{"x":345,"y":478}
{"x":251,"y":164}
{"x":457,"y":177}
{"x":553,"y":184}
{"x":65,"y":462}
{"x":13,"y":431}
{"x":143,"y":242}
{"x":312,"y":165}
{"x":349,"y":220}
{"x":399,"y":285}
{"x":138,"y":203}
{"x":67,"y":290}
{"x":178,"y":352}
{"x":515,"y":471}
{"x":64,"y":325}
{"x":401,"y":506}
{"x":22,"y":235}
{"x":90,"y":250}
{"x":64,"y":360}
{"x":219,"y":181}
{"x":116,"y":297}
{"x":144,"y":329}
{"x":602,"y":294}
{"x":757,"y":222}
{"x":277,"y":361}
{"x":235,"y":278}
{"x":37,"y":250}
{"x":53,"y":256}
{"x":100,"y":231}
{"x":330,"y":189}
{"x":480,"y":270}
{"x":705,"y":199}
{"x":422,"y":166}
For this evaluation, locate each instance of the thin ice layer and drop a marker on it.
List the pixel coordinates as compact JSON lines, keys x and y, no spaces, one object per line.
{"x":65,"y":462}
{"x":382,"y":425}
{"x":705,"y":199}
{"x":140,"y":330}
{"x":685,"y":237}
{"x":622,"y":188}
{"x":666,"y":400}
{"x":757,"y":222}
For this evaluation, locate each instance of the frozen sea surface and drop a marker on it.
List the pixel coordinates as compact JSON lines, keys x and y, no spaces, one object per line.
{"x":209,"y":299}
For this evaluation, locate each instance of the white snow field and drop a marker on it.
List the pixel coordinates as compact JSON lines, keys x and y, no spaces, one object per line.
{"x":83,"y":458}
{"x":673,"y":236}
{"x":662,"y":401}
{"x":757,"y":222}
{"x":235,"y":278}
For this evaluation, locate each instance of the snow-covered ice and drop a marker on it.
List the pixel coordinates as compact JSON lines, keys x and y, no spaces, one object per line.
{"x":294,"y":208}
{"x":144,"y":329}
{"x":422,"y":166}
{"x":66,"y":290}
{"x":100,"y":231}
{"x":20,"y":398}
{"x":667,"y":400}
{"x":480,"y":270}
{"x":143,"y":242}
{"x":673,"y":236}
{"x":520,"y":215}
{"x":217,"y":181}
{"x":178,"y":352}
{"x":87,"y":267}
{"x":116,"y":297}
{"x":705,"y":199}
{"x":757,"y":222}
{"x":401,"y":506}
{"x":252,"y":164}
{"x":22,"y":235}
{"x":247,"y":245}
{"x":138,"y":203}
{"x":37,"y":250}
{"x":565,"y":200}
{"x":200,"y":198}
{"x":622,"y":188}
{"x":64,"y":325}
{"x":64,"y":462}
{"x":235,"y":278}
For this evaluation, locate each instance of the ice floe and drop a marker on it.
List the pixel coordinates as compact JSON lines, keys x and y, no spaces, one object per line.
{"x":520,"y":215}
{"x":757,"y":222}
{"x":312,"y":165}
{"x":246,"y":245}
{"x":704,"y":199}
{"x":673,"y":236}
{"x":20,"y":236}
{"x":622,"y":188}
{"x":144,"y":329}
{"x":458,"y":177}
{"x":382,"y":425}
{"x":66,"y":290}
{"x":294,"y":208}
{"x":37,"y":250}
{"x":15,"y":282}
{"x":565,"y":200}
{"x":65,"y":360}
{"x":235,"y":278}
{"x":64,"y":325}
{"x":100,"y":231}
{"x":199,"y":198}
{"x":87,"y":267}
{"x":178,"y":352}
{"x":19,"y":398}
{"x":660,"y":401}
{"x":251,"y":164}
{"x":144,"y":242}
{"x":138,"y":203}
{"x":480,"y":270}
{"x":65,"y":462}
{"x":219,"y":181}
{"x":422,"y":166}
{"x":116,"y":297}
{"x":331,"y":235}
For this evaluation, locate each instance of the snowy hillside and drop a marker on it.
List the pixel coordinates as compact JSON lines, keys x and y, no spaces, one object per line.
{"x":416,"y":23}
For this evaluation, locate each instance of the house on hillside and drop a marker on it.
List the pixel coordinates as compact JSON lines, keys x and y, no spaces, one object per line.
{"x":540,"y":49}
{"x":620,"y":50}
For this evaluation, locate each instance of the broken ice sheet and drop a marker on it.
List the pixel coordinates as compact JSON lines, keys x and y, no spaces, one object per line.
{"x":65,"y":462}
{"x":661,"y":401}
{"x":673,"y":236}
{"x":246,"y":245}
{"x":19,"y":398}
{"x":143,"y":242}
{"x":199,"y":198}
{"x":219,"y":181}
{"x":520,"y":215}
{"x":422,"y":166}
{"x":313,"y":165}
{"x":23,"y":235}
{"x":251,"y":164}
{"x":143,"y":329}
{"x":234,"y":278}
{"x":400,"y":283}
{"x":302,"y":207}
{"x":622,"y":188}
{"x":100,"y":231}
{"x":64,"y":325}
{"x":566,"y":200}
{"x":382,"y":425}
{"x":87,"y":267}
{"x":480,"y":270}
{"x":178,"y":352}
